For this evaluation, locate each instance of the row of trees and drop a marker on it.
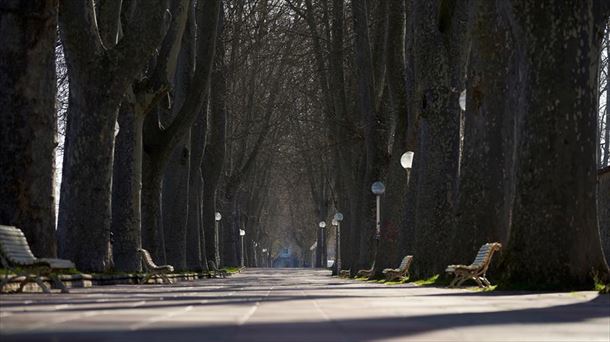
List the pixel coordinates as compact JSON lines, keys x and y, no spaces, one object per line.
{"x":518,"y":165}
{"x":279,"y":113}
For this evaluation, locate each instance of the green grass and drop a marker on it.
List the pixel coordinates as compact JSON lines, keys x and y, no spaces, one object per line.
{"x":428,"y":282}
{"x":232,"y":269}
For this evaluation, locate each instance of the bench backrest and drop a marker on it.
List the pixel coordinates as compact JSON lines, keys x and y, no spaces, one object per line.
{"x":148,"y":262}
{"x":485,"y":253}
{"x":14,"y":247}
{"x":405,"y":263}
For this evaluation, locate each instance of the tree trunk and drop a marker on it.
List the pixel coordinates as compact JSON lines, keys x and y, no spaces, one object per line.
{"x":126,"y":191}
{"x":99,"y":77}
{"x":153,"y":237}
{"x":487,"y":158}
{"x":393,"y":205}
{"x":195,"y":258}
{"x":439,"y":29}
{"x":27,"y":120}
{"x":175,"y":202}
{"x":214,"y":151}
{"x":554,"y":240}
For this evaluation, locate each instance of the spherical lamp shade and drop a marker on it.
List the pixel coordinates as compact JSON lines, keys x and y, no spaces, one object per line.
{"x":335,"y":222}
{"x":339,"y":217}
{"x":322,"y":224}
{"x":463,"y":100}
{"x":217,"y":216}
{"x":242,"y":232}
{"x":378,"y":188}
{"x":406,"y":160}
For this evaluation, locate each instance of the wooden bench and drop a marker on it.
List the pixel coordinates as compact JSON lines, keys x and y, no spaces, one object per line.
{"x":215,"y":272}
{"x":152,"y":269}
{"x":475,"y":271}
{"x":367,"y":273}
{"x":402,"y":270}
{"x":345,"y":273}
{"x":15,"y":253}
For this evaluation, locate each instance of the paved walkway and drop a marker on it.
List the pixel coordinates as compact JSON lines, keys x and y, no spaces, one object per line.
{"x":300,"y":305}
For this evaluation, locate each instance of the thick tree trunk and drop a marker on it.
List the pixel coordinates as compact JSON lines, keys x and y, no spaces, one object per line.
{"x":175,"y":204}
{"x":487,"y":157}
{"x":99,"y":78}
{"x":554,"y":240}
{"x":195,"y":241}
{"x":27,"y":120}
{"x":393,"y":205}
{"x":439,"y":61}
{"x":126,"y":191}
{"x":214,"y":152}
{"x":153,"y":237}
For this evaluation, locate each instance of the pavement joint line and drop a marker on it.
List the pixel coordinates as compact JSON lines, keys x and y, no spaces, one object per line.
{"x":158,"y":318}
{"x":252,"y":310}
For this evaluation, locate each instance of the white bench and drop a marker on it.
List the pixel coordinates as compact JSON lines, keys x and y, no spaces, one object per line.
{"x":402,"y":270}
{"x":15,"y":253}
{"x":152,"y":269}
{"x":478,"y":269}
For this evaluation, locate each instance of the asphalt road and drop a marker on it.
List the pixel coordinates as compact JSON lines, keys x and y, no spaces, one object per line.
{"x":300,"y":305}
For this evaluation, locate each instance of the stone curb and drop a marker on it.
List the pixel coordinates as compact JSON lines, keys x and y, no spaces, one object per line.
{"x":87,"y":280}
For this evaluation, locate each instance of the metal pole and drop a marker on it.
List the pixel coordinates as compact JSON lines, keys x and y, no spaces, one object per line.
{"x":378,"y":228}
{"x":322,"y":263}
{"x":241,"y":238}
{"x":216,"y":246}
{"x":338,"y":248}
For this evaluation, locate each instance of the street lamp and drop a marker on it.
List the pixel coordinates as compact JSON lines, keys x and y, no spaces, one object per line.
{"x":378,"y":189}
{"x":337,"y":222}
{"x":265,"y":263}
{"x":406,"y":161}
{"x":242,"y":233}
{"x":217,"y":218}
{"x":322,"y":225}
{"x":462,"y":100}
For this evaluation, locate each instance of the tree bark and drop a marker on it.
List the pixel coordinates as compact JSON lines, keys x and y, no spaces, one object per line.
{"x":554,"y":240}
{"x":485,"y":194}
{"x":214,"y":151}
{"x":439,"y":42}
{"x":99,"y":77}
{"x":27,"y":120}
{"x":195,"y":241}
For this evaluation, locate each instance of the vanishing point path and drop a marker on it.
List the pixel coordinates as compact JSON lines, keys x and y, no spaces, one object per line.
{"x":300,"y":305}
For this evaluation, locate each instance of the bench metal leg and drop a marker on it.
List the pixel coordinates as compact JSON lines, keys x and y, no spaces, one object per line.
{"x":146,"y":278}
{"x":165,"y":278}
{"x":58,"y":283}
{"x":42,"y":285}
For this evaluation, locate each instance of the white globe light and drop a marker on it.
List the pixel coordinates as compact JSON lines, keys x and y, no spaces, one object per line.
{"x":406,"y":160}
{"x":335,"y":222}
{"x":242,"y":232}
{"x":339,"y":217}
{"x":322,"y":224}
{"x":217,"y":216}
{"x":463,"y":100}
{"x":378,"y":188}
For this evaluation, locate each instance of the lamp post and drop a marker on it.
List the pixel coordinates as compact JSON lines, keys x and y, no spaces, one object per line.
{"x":406,"y":161}
{"x":255,"y":260}
{"x":322,"y":246}
{"x":242,"y":233}
{"x":264,"y":256}
{"x":378,"y":189}
{"x":217,"y":218}
{"x":337,"y":222}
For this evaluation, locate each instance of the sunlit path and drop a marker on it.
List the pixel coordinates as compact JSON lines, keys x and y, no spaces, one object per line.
{"x":300,"y":305}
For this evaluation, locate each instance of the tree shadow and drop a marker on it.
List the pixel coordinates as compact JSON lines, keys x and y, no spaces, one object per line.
{"x":358,"y":329}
